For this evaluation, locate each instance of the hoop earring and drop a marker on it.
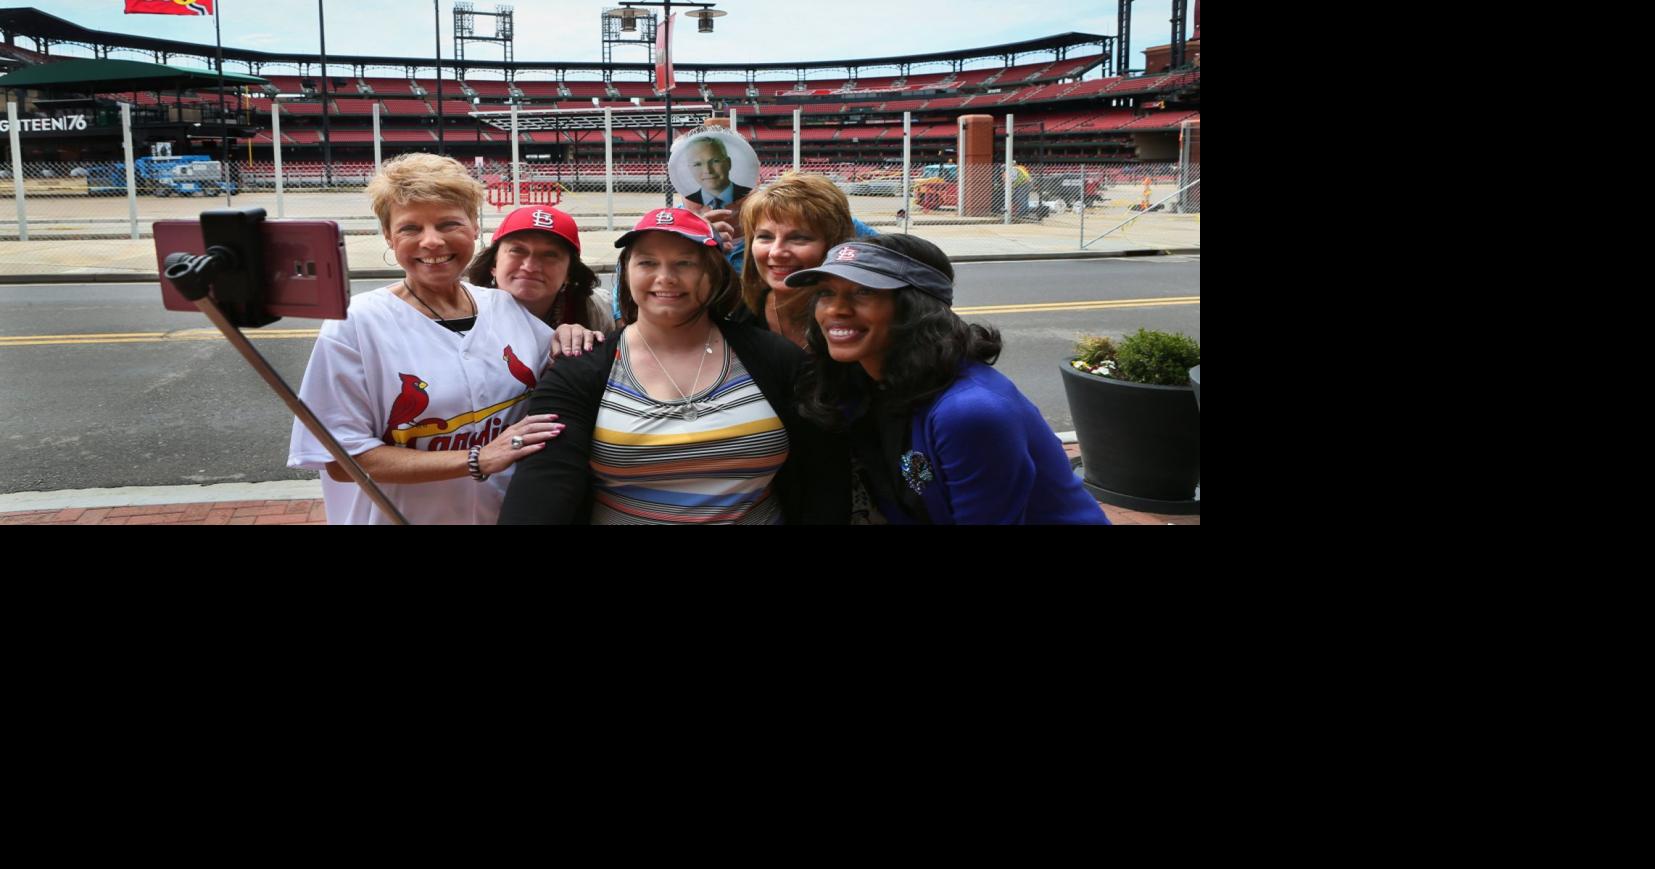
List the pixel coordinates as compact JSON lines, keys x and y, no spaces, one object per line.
{"x":385,"y":257}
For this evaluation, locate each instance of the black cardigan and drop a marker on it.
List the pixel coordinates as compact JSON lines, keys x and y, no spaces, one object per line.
{"x":554,"y":486}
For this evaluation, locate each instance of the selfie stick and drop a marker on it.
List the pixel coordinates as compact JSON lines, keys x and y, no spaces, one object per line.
{"x":194,"y":276}
{"x":300,"y":409}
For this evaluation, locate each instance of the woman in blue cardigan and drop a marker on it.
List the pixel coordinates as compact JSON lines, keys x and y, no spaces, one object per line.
{"x":942,"y":438}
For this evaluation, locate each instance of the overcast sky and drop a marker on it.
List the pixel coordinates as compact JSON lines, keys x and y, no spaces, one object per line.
{"x":549,"y":30}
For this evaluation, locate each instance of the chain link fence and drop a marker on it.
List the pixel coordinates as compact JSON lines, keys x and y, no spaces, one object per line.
{"x":1189,"y":165}
{"x":67,"y":198}
{"x":92,"y":199}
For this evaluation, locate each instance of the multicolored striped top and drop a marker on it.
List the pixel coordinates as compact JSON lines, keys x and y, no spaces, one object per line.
{"x":652,"y":466}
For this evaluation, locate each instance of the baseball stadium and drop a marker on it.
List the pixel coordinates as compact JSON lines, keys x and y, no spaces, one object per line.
{"x":1035,"y":202}
{"x":1084,"y":125}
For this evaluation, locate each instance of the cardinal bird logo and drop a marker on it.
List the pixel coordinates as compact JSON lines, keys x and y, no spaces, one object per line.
{"x":518,"y":369}
{"x":408,"y":406}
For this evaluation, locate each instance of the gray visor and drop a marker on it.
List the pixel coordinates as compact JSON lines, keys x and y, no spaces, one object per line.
{"x":874,"y":266}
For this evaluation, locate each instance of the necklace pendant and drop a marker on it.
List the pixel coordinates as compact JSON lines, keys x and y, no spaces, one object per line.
{"x":690,"y":413}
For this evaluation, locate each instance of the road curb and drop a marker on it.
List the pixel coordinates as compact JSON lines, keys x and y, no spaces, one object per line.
{"x":149,"y":496}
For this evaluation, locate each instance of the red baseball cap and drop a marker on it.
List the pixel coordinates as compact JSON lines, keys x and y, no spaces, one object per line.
{"x":686,"y":223}
{"x":543,"y":218}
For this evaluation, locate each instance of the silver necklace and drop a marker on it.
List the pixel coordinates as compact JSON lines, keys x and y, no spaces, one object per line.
{"x":781,"y":324}
{"x":691,"y":412}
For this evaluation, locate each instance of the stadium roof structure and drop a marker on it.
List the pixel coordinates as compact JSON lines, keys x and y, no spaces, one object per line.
{"x":1010,"y":49}
{"x":120,"y":75}
{"x":33,"y":23}
{"x":636,"y":117}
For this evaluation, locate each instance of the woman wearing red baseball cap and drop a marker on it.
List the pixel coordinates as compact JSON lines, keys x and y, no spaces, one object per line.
{"x":691,"y":418}
{"x":535,"y":256}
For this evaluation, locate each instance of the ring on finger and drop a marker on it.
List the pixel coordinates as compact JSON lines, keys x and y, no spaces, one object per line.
{"x":516,"y":442}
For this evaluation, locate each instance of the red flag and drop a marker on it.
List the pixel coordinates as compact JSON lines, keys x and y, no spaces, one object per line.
{"x":169,"y":7}
{"x":663,"y":56}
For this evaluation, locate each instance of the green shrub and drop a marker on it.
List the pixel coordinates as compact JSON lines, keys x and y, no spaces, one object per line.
{"x":1158,"y":358}
{"x":1145,"y":356}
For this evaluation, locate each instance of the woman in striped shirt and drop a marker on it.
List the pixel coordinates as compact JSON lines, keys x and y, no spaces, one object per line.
{"x":691,"y":419}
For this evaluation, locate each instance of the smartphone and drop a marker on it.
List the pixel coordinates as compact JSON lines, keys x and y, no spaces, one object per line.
{"x":304,"y":264}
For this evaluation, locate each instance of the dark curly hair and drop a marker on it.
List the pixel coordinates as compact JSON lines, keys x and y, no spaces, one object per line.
{"x":577,"y":287}
{"x":929,"y":343}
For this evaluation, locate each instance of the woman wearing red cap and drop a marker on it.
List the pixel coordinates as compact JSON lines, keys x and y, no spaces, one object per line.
{"x":535,"y":256}
{"x":690,"y":419}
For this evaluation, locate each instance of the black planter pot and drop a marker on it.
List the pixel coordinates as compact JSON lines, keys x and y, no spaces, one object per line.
{"x":1140,"y":445}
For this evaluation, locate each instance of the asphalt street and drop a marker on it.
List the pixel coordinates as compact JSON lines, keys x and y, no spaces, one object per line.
{"x":104,"y":387}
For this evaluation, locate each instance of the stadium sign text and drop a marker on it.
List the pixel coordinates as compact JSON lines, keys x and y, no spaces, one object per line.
{"x":45,"y":125}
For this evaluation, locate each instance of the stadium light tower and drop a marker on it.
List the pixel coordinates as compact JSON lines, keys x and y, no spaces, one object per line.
{"x":663,"y":65}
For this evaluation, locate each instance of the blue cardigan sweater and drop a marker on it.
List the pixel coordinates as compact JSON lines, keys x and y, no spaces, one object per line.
{"x":992,"y":459}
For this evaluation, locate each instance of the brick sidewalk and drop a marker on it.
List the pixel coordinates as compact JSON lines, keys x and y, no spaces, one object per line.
{"x":311,"y":513}
{"x":217,"y":513}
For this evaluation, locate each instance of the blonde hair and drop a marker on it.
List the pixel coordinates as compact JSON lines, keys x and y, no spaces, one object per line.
{"x":419,"y":177}
{"x":810,"y":201}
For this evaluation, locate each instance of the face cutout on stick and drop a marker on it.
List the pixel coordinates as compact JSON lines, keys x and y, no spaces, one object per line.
{"x":713,"y":167}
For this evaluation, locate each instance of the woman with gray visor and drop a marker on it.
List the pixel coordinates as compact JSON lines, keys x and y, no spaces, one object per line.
{"x":942,"y":437}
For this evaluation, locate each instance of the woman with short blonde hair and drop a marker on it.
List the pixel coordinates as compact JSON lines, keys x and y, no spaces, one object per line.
{"x":424,"y":382}
{"x":424,"y":178}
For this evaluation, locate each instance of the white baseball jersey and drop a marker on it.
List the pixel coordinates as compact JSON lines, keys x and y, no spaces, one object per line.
{"x":390,"y":375}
